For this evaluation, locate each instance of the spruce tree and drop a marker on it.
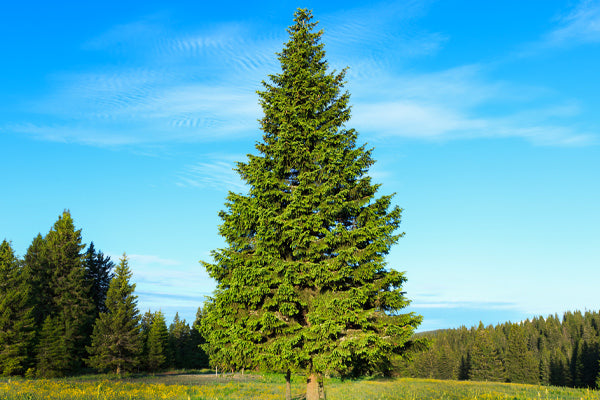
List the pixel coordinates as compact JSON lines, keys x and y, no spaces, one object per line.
{"x":302,"y":283}
{"x":196,"y":356}
{"x":179,"y":338}
{"x":39,"y":273}
{"x":521,"y":364}
{"x":16,"y":314}
{"x":98,"y":274}
{"x":70,"y":309}
{"x":485,"y":361}
{"x":158,"y":343}
{"x":116,"y":341}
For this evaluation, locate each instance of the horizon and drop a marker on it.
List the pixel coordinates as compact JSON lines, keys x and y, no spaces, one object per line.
{"x":482,"y":118}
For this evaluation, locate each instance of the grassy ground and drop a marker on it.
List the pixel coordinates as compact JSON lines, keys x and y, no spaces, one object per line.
{"x":237,"y":387}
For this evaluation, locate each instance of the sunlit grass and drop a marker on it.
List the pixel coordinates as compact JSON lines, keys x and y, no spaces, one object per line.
{"x":207,"y":387}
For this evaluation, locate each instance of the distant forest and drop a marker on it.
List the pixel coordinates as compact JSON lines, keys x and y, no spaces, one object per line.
{"x":550,"y":351}
{"x":64,"y":310}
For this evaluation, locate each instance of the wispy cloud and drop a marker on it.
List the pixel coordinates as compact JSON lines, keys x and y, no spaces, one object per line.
{"x":174,"y":86}
{"x":150,"y":259}
{"x":185,"y":283}
{"x":457,"y":103}
{"x":580,"y":26}
{"x":215,"y":171}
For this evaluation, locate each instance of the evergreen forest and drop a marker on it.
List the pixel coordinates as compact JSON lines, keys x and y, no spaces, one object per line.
{"x":550,"y":351}
{"x":66,"y":308}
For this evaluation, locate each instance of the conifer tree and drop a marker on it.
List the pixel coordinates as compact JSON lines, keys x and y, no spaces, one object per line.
{"x":71,"y":309}
{"x":302,"y":283}
{"x":39,"y":273}
{"x":98,"y":274}
{"x":197,"y":356}
{"x":116,"y":341}
{"x":145,"y":326}
{"x":521,"y":364}
{"x":158,"y":342}
{"x":16,"y":314}
{"x":485,"y":361}
{"x":53,"y":353}
{"x":179,"y":338}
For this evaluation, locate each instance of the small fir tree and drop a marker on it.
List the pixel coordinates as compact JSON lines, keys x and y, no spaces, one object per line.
{"x":116,"y":341}
{"x":158,"y":342}
{"x":302,"y":284}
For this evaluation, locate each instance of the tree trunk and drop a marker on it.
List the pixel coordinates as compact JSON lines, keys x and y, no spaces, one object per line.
{"x":312,"y":387}
{"x":288,"y":385}
{"x":321,"y":388}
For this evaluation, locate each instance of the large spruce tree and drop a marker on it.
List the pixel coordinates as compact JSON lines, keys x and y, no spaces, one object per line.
{"x":302,"y":284}
{"x":116,"y":341}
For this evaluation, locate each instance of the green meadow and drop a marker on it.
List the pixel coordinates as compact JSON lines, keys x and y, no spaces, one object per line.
{"x":207,"y":387}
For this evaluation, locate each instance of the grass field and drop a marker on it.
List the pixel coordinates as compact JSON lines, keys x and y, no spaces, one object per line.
{"x":207,"y":387}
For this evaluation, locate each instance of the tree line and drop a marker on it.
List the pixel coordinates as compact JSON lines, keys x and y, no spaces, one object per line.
{"x":550,"y":351}
{"x":65,"y":308}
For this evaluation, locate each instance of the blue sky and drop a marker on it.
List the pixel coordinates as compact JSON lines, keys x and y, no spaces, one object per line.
{"x":483,"y":115}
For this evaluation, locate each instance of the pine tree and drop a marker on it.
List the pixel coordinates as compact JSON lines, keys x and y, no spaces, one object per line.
{"x":16,"y":314}
{"x":158,"y":342}
{"x":71,"y":309}
{"x":302,"y":283}
{"x":116,"y":341}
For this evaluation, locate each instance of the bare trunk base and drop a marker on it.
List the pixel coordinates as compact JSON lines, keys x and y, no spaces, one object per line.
{"x":321,"y":388}
{"x":312,"y":387}
{"x":288,"y":385}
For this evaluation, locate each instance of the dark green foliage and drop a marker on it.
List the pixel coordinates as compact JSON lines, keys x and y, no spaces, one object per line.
{"x":302,"y":283}
{"x":53,"y":354}
{"x":98,"y":275}
{"x":485,"y":361}
{"x":157,"y":343}
{"x":184,"y":345}
{"x":16,"y":314}
{"x":521,"y":364}
{"x":179,"y":335}
{"x":197,"y":356}
{"x":39,"y":272}
{"x":70,"y":308}
{"x":55,"y":300}
{"x":145,"y":326}
{"x":116,"y":341}
{"x":464,"y":367}
{"x":554,"y":351}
